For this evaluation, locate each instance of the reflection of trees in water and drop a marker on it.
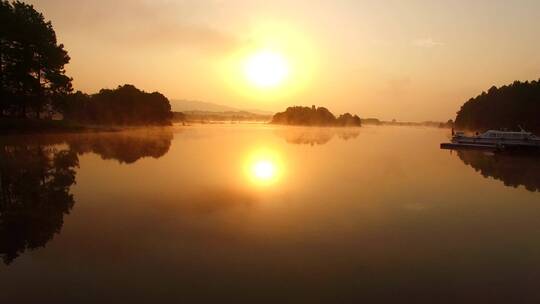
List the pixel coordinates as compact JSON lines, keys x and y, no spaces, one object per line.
{"x":37,"y":172}
{"x":315,"y":136}
{"x":513,"y":170}
{"x":125,"y":147}
{"x":35,"y":194}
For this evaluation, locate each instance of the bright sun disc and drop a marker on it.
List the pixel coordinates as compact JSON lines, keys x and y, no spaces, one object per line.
{"x":266,"y":69}
{"x":264,"y":170}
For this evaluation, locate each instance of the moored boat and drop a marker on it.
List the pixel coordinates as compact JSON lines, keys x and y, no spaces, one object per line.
{"x":494,"y":139}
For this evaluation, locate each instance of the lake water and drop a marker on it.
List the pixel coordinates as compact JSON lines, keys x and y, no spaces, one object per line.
{"x":266,"y":214}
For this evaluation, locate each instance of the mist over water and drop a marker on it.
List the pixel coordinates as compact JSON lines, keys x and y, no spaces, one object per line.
{"x":257,"y":213}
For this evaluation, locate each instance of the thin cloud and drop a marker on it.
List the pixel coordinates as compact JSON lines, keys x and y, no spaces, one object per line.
{"x":180,"y":35}
{"x":140,"y":23}
{"x":427,"y":43}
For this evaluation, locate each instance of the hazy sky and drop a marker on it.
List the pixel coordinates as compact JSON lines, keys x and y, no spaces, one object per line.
{"x":409,"y":60}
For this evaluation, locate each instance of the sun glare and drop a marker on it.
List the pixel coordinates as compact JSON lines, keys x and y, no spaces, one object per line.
{"x":266,"y":69}
{"x":263,"y":167}
{"x":278,"y":63}
{"x":264,"y":170}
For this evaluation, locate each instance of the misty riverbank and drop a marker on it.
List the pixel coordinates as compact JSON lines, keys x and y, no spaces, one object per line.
{"x":38,"y":126}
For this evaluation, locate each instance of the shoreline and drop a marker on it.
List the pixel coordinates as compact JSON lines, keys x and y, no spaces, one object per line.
{"x":10,"y":126}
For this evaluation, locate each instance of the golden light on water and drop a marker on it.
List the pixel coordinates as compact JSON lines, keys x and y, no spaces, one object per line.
{"x":264,"y":167}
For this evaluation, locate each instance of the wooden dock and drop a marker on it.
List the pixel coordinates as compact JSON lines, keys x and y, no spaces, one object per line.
{"x":495,"y":148}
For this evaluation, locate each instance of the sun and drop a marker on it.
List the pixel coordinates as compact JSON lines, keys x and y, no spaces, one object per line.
{"x":266,"y":69}
{"x":277,"y":62}
{"x":264,"y":170}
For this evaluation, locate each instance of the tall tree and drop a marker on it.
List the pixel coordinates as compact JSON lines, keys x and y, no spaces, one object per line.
{"x":508,"y":107}
{"x":31,"y":61}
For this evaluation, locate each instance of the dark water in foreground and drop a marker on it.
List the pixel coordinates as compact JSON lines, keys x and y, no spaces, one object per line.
{"x":251,"y":214}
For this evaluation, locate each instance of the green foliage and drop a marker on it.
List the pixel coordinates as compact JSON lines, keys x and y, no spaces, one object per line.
{"x":32,"y":63}
{"x":125,"y":105}
{"x":314,"y":116}
{"x":507,"y":107}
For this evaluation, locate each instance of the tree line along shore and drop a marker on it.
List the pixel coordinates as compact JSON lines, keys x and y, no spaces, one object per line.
{"x":36,"y":93}
{"x":511,"y":107}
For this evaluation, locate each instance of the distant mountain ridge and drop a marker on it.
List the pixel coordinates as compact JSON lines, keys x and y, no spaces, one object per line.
{"x":179,"y":105}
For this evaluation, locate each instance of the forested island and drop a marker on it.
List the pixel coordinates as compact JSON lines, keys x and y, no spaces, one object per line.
{"x":314,"y":116}
{"x":37,"y":95}
{"x":509,"y":107}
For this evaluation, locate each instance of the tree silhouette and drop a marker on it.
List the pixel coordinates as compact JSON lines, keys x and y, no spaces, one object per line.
{"x":305,"y":116}
{"x":125,"y":105}
{"x":35,"y":195}
{"x":508,"y":107}
{"x":348,"y":120}
{"x":32,"y":74}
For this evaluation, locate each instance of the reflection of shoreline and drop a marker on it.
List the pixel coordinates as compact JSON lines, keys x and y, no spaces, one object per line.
{"x":123,"y":146}
{"x":37,"y":172}
{"x":34,"y":195}
{"x":315,"y":136}
{"x":512,"y":170}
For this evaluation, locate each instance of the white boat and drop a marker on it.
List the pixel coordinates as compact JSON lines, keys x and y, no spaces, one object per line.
{"x":498,"y":139}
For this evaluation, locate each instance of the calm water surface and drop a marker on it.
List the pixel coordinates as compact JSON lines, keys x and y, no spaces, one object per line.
{"x":253,"y":213}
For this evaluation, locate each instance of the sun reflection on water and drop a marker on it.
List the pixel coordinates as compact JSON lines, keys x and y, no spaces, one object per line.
{"x":264,"y":167}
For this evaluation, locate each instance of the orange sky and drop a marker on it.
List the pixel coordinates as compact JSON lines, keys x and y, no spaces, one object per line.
{"x":409,"y":60}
